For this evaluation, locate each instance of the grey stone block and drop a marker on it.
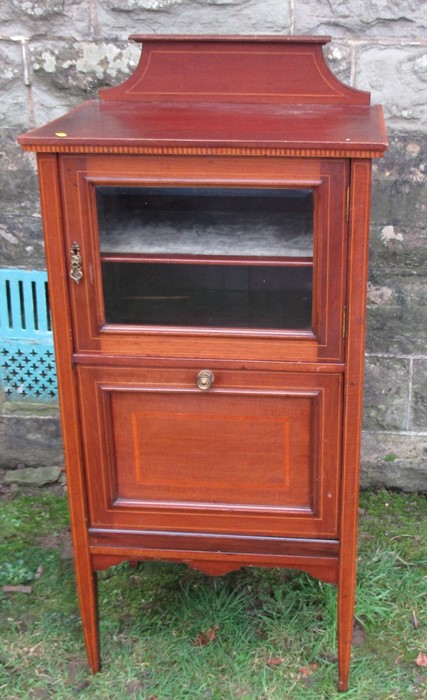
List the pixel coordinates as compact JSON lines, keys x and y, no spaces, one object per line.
{"x":395,"y":249}
{"x":338,"y":58}
{"x":419,"y":395}
{"x":15,"y":107}
{"x":394,"y":461}
{"x":132,"y":5}
{"x":357,"y":18}
{"x":32,"y":440}
{"x":33,"y":476}
{"x":399,"y":186}
{"x":386,"y":393}
{"x":11,"y":63}
{"x":62,"y":18}
{"x":18,"y":177}
{"x":397,"y":78}
{"x":80,"y":68}
{"x":397,"y":314}
{"x":14,"y":101}
{"x":50,"y":103}
{"x":21,"y":242}
{"x":117,"y":19}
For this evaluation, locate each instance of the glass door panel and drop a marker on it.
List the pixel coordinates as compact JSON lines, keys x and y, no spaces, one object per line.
{"x":207,"y":257}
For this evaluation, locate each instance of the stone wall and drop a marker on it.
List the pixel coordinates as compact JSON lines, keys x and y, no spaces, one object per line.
{"x":56,"y":53}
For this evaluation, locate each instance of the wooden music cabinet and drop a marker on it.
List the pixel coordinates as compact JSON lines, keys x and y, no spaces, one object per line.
{"x":206,"y":227}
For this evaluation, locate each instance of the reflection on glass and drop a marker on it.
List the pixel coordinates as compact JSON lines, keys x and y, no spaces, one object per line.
{"x":207,"y":257}
{"x":205,"y":221}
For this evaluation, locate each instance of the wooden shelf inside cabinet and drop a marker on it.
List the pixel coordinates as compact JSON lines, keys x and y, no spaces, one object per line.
{"x":206,"y":227}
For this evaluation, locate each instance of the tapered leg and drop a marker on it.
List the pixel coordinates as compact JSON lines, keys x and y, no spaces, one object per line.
{"x":346,"y":588}
{"x":88,"y":598}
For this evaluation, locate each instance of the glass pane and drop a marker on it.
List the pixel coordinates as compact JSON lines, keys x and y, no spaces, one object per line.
{"x":228,"y":296}
{"x":207,"y":257}
{"x":205,"y":221}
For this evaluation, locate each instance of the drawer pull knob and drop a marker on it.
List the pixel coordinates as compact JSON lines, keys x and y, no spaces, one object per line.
{"x":205,"y":379}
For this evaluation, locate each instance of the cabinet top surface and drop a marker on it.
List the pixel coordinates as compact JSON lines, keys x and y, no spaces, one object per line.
{"x":253,"y":92}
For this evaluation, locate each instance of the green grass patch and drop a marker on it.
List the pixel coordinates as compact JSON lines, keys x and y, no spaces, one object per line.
{"x":169,"y":633}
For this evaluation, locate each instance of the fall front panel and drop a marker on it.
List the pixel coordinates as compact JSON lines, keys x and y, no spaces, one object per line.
{"x":259,"y":452}
{"x":223,"y":448}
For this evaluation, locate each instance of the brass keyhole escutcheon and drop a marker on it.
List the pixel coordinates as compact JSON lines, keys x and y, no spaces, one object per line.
{"x":76,"y":272}
{"x":205,"y":379}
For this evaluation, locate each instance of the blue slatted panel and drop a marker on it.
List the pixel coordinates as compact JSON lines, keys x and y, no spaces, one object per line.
{"x":27,"y":362}
{"x":24,"y":310}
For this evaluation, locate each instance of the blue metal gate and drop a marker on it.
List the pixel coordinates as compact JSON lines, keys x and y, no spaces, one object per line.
{"x":27,"y":361}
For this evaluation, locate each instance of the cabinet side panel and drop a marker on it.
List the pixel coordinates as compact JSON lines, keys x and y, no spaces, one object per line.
{"x":57,"y":273}
{"x":355,"y":345}
{"x":353,"y":396}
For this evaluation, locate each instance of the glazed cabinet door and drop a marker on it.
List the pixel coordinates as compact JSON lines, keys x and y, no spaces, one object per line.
{"x":206,"y":257}
{"x":257,"y":453}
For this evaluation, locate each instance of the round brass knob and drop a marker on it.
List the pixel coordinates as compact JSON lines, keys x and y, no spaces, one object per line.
{"x":205,"y":379}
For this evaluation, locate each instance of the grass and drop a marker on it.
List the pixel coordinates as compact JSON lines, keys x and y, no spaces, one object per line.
{"x":169,"y":633}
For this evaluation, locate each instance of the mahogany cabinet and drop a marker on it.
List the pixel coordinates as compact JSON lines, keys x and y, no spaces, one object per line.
{"x":206,"y":227}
